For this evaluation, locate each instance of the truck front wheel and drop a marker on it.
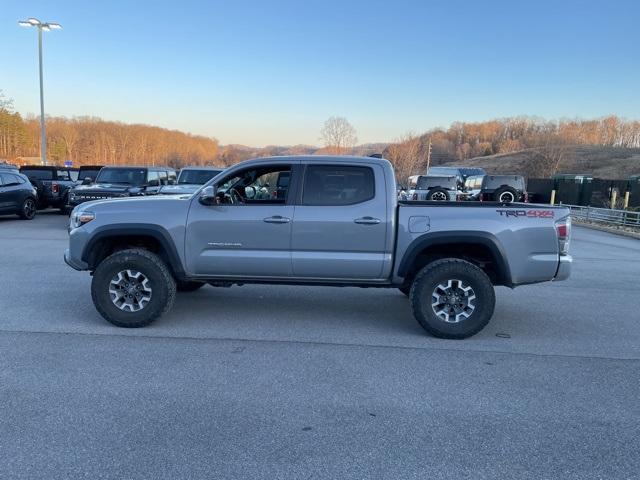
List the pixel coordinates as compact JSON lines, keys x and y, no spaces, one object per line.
{"x":131,"y":288}
{"x":452,"y":298}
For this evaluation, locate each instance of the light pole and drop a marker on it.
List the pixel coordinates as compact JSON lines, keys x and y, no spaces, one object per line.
{"x":46,"y":26}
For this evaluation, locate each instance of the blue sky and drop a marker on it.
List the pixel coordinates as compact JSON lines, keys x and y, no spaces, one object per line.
{"x":262,"y":73}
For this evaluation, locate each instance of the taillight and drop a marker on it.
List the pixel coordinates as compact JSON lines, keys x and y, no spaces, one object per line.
{"x":55,"y":188}
{"x":563,"y":229}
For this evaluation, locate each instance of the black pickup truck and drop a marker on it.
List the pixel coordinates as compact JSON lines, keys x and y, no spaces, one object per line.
{"x":52,"y":184}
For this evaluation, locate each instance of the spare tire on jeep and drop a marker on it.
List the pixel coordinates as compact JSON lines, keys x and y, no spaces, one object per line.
{"x":438,"y":194}
{"x":505,"y":195}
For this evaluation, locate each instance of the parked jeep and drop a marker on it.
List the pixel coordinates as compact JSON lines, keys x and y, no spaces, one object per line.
{"x":52,"y":184}
{"x":503,"y":189}
{"x":333,"y":221}
{"x":433,"y":188}
{"x":461,"y":173}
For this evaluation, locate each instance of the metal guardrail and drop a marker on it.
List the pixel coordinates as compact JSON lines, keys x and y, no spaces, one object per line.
{"x":622,"y":218}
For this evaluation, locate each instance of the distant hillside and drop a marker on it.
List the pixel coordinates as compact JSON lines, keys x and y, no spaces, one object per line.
{"x":601,"y":162}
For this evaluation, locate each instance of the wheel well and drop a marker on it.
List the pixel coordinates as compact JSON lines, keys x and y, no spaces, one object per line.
{"x":106,"y":246}
{"x":476,"y":253}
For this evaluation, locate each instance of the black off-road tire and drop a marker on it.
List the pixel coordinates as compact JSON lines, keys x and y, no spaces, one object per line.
{"x":28,"y":209}
{"x":444,"y":270}
{"x":150,"y":265}
{"x":510,"y":193}
{"x":63,"y":208}
{"x":187,"y":286}
{"x":438,"y":194}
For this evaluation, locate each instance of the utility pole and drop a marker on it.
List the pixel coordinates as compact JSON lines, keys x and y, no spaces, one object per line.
{"x":429,"y":156}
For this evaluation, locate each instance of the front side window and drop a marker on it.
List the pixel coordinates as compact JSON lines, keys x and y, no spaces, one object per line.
{"x":337,"y":185}
{"x":164,"y":178}
{"x":153,"y":177}
{"x":266,"y":185}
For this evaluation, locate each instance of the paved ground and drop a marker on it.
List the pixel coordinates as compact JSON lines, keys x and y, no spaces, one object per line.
{"x":297,"y":382}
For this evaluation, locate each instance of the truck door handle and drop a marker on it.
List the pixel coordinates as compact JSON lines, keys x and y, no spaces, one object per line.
{"x":277,"y":219}
{"x":367,"y":221}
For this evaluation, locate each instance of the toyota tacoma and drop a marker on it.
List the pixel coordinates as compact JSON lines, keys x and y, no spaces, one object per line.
{"x":315,"y":221}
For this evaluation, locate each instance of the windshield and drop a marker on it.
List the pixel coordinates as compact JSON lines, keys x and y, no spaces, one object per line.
{"x":198,"y":177}
{"x":129,"y":176}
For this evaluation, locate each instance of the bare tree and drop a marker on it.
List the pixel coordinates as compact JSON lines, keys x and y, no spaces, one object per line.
{"x":549,"y":156}
{"x":407,"y":154}
{"x":338,"y":135}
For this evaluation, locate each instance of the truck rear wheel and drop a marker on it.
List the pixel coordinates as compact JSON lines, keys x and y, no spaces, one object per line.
{"x":452,"y":298}
{"x":131,"y":288}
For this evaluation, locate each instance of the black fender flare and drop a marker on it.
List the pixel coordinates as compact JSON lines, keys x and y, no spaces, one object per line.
{"x":160,"y":234}
{"x":458,"y":236}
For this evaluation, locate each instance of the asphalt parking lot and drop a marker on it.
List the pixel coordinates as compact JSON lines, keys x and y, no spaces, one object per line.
{"x":301,"y":382}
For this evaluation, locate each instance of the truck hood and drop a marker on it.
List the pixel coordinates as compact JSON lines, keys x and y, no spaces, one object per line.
{"x":150,"y":204}
{"x":180,"y":189}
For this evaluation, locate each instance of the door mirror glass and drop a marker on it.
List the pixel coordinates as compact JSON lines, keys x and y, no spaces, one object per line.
{"x":87,"y":181}
{"x":208,"y":195}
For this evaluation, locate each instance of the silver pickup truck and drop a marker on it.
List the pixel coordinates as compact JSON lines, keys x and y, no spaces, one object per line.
{"x":315,"y":221}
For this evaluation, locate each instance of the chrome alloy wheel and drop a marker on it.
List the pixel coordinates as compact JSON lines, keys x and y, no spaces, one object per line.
{"x":439,"y":196}
{"x":507,"y":197}
{"x":130,"y":290}
{"x":453,"y":301}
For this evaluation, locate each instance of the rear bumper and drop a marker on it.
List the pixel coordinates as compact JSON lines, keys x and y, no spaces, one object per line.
{"x":564,"y":268}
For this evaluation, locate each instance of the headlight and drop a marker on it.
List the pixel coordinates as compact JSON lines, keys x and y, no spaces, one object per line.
{"x":81,"y":218}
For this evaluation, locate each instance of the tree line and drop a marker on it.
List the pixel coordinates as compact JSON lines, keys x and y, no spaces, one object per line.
{"x":92,"y":141}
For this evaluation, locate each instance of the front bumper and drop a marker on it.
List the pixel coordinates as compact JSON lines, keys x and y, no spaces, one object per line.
{"x":564,"y":268}
{"x":74,"y":263}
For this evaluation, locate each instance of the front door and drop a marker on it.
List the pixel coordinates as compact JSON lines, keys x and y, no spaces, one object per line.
{"x":248,"y":232}
{"x":340,"y":228}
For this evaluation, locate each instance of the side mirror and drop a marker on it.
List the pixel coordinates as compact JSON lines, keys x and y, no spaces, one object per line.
{"x":208,"y":195}
{"x":87,"y":181}
{"x":154,"y":183}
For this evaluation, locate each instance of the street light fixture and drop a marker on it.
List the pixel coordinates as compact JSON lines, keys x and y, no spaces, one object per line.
{"x":46,"y":26}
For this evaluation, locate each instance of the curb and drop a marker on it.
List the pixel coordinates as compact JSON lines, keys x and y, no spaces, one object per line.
{"x":604,"y":228}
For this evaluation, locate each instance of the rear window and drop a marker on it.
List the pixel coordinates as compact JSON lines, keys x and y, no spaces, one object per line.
{"x":491,"y":182}
{"x":337,"y":185}
{"x":427,"y":182}
{"x":43,"y":174}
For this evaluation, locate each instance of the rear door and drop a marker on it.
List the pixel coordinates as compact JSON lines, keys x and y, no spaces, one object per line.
{"x":340,"y":226}
{"x":10,"y":191}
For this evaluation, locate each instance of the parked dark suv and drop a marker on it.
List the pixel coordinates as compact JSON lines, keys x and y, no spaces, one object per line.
{"x":17,"y":195}
{"x":114,"y":182}
{"x":503,"y":188}
{"x":52,"y":184}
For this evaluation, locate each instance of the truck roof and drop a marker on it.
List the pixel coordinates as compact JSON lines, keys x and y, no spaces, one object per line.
{"x":319,"y":159}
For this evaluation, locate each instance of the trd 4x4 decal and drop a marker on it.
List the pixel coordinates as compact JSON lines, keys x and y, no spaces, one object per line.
{"x":526,"y":213}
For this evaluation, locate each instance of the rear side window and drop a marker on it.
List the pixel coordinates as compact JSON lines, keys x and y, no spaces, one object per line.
{"x":337,"y":185}
{"x":8,"y":179}
{"x":39,"y":174}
